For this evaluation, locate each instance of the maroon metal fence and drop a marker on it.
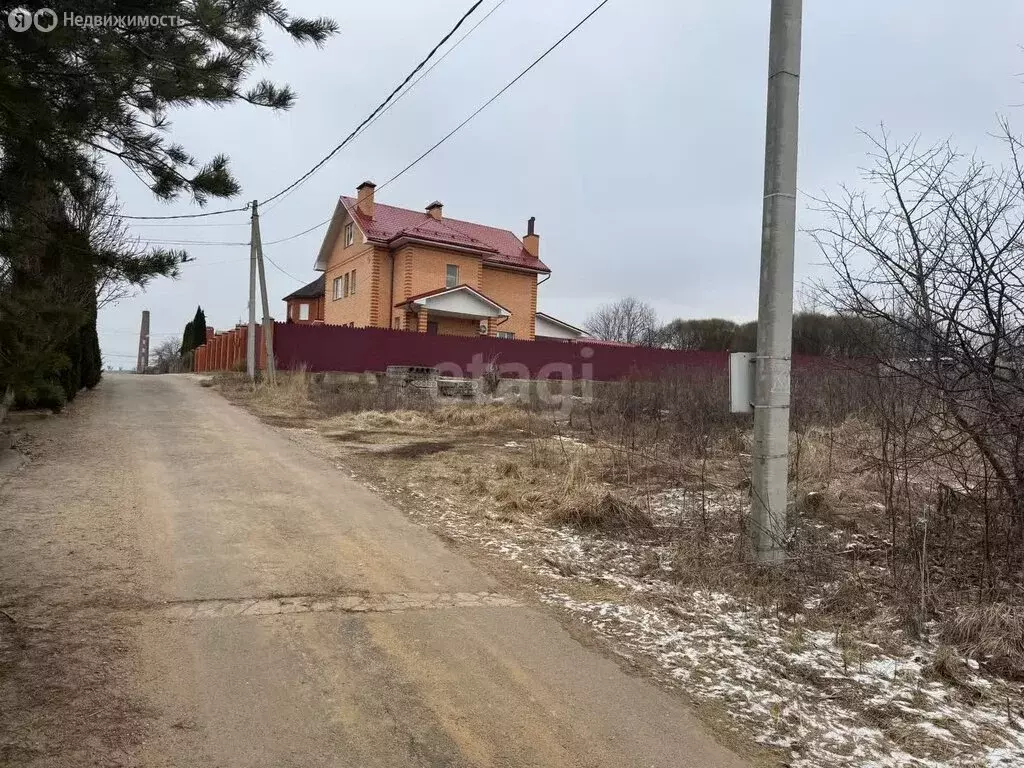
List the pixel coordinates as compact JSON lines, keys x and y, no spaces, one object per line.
{"x":339,"y":348}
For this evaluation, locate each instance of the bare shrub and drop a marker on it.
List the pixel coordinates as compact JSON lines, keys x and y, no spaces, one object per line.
{"x":167,"y":357}
{"x":491,"y":377}
{"x":656,"y":429}
{"x":928,"y":256}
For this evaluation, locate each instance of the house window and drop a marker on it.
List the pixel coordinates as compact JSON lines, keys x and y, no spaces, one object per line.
{"x":303,"y":311}
{"x":349,"y":234}
{"x":352,"y":284}
{"x":451,"y":275}
{"x":337,"y":288}
{"x":344,"y":290}
{"x":504,"y":334}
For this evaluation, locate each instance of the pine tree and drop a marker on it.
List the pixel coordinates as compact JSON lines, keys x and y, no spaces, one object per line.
{"x":79,"y":90}
{"x":199,"y":328}
{"x":78,"y":93}
{"x":186,"y":338}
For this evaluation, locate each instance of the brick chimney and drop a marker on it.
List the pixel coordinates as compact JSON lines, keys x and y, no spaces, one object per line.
{"x":434,"y":209}
{"x":531,"y":242}
{"x":364,"y":198}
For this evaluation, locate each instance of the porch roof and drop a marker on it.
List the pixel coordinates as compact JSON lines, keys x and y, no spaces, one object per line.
{"x":460,"y":301}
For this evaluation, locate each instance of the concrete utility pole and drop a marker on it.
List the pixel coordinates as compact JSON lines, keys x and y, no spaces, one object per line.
{"x":250,"y":339}
{"x":268,"y":326}
{"x":770,"y":469}
{"x":143,"y":360}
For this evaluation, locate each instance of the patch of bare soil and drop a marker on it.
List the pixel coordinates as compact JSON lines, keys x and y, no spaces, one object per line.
{"x":61,"y":695}
{"x":421,"y":448}
{"x":63,"y":662}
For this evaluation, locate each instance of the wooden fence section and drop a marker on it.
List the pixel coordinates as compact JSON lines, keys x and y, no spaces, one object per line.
{"x":225,"y":350}
{"x":321,"y":348}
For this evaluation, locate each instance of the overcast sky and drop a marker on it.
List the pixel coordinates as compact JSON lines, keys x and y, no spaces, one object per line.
{"x":638,"y":144}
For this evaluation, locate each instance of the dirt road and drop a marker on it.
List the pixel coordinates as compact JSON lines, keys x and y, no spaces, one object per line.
{"x":182,"y":586}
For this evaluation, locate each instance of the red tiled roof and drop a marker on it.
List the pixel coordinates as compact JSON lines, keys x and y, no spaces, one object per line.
{"x":499,"y":246}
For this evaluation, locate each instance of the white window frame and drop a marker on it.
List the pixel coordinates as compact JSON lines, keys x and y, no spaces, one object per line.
{"x":352,"y":283}
{"x":303,"y":311}
{"x":504,"y":334}
{"x":337,"y":288}
{"x":350,"y":235}
{"x":344,"y":283}
{"x":448,"y":283}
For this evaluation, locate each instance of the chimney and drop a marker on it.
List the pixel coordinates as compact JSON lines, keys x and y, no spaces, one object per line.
{"x":434,"y":209}
{"x":364,"y":198}
{"x":532,"y":240}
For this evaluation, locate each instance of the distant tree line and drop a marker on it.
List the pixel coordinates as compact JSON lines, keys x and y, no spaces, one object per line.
{"x":632,"y":321}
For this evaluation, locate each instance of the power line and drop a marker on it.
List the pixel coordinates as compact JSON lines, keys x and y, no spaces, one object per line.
{"x":379,"y":108}
{"x":431,"y":67}
{"x":461,"y":125}
{"x":303,"y":232}
{"x":495,"y":97}
{"x":240,"y":224}
{"x":177,"y":216}
{"x":106,"y":331}
{"x":283,"y":272}
{"x":191,"y":242}
{"x":396,"y":95}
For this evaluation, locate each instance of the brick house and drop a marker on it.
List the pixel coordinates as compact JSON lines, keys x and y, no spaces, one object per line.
{"x":306,"y":305}
{"x":389,"y":267}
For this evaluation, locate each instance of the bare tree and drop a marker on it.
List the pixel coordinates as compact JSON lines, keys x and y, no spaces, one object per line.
{"x":167,"y":357}
{"x":931,"y":256}
{"x":123,"y":265}
{"x":627,"y":320}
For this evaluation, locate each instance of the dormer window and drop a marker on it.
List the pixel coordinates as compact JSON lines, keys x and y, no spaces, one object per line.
{"x":349,"y":234}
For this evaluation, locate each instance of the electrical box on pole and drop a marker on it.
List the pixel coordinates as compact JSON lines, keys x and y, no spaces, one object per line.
{"x":741,"y":382}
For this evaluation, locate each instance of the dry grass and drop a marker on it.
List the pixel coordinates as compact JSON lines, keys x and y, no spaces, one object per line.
{"x":508,"y":468}
{"x":992,"y":634}
{"x":595,"y":474}
{"x":491,"y":418}
{"x":948,"y":666}
{"x":838,"y":462}
{"x":592,"y":509}
{"x":404,"y":420}
{"x":651,"y":491}
{"x":468,"y":419}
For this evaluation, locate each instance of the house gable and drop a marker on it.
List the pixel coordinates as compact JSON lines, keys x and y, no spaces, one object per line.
{"x":552,"y":328}
{"x":460,"y":301}
{"x":339,"y":219}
